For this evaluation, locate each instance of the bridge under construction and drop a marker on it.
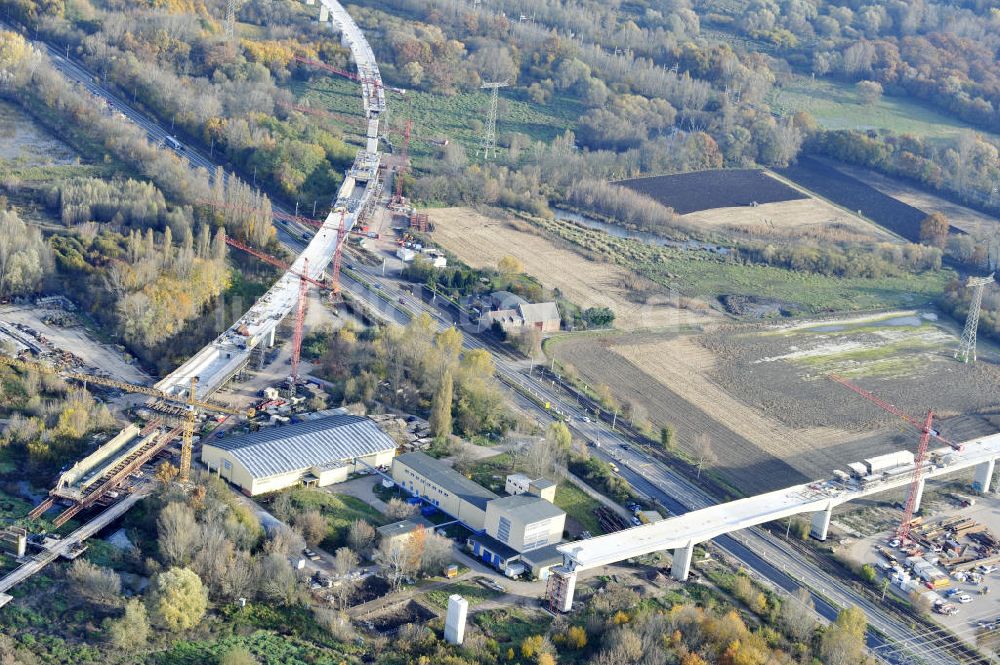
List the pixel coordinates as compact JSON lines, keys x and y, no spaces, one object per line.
{"x":680,"y":534}
{"x":105,"y":477}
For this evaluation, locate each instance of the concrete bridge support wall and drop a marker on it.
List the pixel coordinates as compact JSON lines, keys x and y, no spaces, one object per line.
{"x":324,"y":14}
{"x":821,"y":523}
{"x":919,"y":490}
{"x":270,"y":337}
{"x":984,"y":476}
{"x":681,"y":566}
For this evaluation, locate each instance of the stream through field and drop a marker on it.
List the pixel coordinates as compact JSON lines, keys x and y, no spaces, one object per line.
{"x":642,"y":236}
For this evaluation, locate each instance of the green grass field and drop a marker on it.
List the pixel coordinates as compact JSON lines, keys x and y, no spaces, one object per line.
{"x":472,"y":592}
{"x":340,"y":511}
{"x":437,"y":117}
{"x":836,"y":105}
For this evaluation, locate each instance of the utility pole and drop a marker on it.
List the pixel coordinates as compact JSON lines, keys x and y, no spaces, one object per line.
{"x":967,"y":346}
{"x":488,"y":141}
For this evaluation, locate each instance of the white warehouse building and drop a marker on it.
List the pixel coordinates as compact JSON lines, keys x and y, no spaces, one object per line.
{"x":316,"y":452}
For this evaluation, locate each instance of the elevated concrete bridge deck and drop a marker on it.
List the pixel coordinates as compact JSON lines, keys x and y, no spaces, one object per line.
{"x":683,"y":532}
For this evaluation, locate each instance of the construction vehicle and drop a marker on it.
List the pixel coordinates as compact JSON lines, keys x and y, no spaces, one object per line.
{"x":927,"y":431}
{"x":190,"y":403}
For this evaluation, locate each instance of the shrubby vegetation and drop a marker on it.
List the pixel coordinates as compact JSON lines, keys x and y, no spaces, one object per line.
{"x":405,"y":367}
{"x":48,"y":420}
{"x":24,"y":256}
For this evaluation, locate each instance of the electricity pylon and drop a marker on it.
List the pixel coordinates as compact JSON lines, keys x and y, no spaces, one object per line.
{"x":231,"y":19}
{"x":488,"y":141}
{"x":967,"y":346}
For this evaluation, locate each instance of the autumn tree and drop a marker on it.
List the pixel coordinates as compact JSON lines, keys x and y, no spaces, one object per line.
{"x":934,"y":230}
{"x":703,"y":452}
{"x":129,"y":632}
{"x":238,"y":656}
{"x":177,"y":600}
{"x":24,"y":256}
{"x":440,"y":420}
{"x":869,"y":92}
{"x":398,"y":509}
{"x":509,"y":265}
{"x":843,"y":641}
{"x":667,"y":437}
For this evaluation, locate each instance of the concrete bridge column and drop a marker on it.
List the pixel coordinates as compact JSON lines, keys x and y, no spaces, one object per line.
{"x":919,"y":492}
{"x":270,"y":337}
{"x":561,"y":588}
{"x":681,"y":566}
{"x":984,"y":476}
{"x":310,"y":2}
{"x":324,"y":14}
{"x":821,"y":523}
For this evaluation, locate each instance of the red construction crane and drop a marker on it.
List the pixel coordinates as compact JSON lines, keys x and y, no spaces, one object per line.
{"x":926,"y":432}
{"x":354,"y":121}
{"x":300,"y":317}
{"x":300,"y":306}
{"x":335,"y":273}
{"x":329,"y":68}
{"x":405,"y":154}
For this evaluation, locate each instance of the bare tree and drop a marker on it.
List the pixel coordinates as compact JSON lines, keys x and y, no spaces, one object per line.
{"x":275,"y":578}
{"x":177,"y":533}
{"x":284,"y":541}
{"x":361,"y":537}
{"x":798,"y":615}
{"x":396,"y":560}
{"x":238,"y":580}
{"x":437,"y":553}
{"x":400,"y":510}
{"x":96,"y":584}
{"x":312,"y":525}
{"x":703,"y":452}
{"x":344,"y":563}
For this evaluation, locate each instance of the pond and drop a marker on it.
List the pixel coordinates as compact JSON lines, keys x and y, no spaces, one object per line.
{"x":630,"y":234}
{"x":24,"y":140}
{"x":912,"y":321}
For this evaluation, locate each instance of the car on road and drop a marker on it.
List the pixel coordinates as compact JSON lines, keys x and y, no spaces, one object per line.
{"x":624,"y":446}
{"x":311,"y":555}
{"x":402,"y":301}
{"x":963,"y":598}
{"x":986,"y":570}
{"x":585,"y":419}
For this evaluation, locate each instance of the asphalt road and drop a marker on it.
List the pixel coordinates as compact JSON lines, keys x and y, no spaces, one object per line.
{"x":758,"y":550}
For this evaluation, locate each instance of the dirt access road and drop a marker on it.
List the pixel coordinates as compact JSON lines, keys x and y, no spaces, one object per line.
{"x":481,"y":241}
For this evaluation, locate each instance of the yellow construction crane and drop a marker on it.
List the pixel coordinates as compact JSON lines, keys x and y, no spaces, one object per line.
{"x":191,"y":401}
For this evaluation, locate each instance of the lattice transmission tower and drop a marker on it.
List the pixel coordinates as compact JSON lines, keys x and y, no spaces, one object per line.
{"x":488,"y":141}
{"x":230,"y":19}
{"x":967,"y":347}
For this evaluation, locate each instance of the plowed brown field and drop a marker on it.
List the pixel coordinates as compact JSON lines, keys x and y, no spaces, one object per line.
{"x":482,"y":241}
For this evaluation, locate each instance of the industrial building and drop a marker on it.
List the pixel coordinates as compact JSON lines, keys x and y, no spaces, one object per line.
{"x":404,"y":528}
{"x":422,"y":475}
{"x":317,"y":452}
{"x":518,"y":483}
{"x":514,"y":533}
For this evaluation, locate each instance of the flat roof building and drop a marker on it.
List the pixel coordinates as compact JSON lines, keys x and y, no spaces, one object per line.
{"x":422,"y":475}
{"x":525,"y":522}
{"x":316,"y":452}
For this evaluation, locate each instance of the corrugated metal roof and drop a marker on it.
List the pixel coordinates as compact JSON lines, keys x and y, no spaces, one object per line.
{"x":303,"y":445}
{"x":447,"y":478}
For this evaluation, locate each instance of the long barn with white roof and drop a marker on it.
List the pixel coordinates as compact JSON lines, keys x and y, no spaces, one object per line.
{"x":317,"y":452}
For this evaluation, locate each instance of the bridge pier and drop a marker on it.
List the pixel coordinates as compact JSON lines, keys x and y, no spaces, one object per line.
{"x":984,"y":477}
{"x":310,"y":2}
{"x":821,"y":523}
{"x":681,"y":566}
{"x":919,"y":492}
{"x":560,"y":588}
{"x":270,"y":338}
{"x":324,"y":14}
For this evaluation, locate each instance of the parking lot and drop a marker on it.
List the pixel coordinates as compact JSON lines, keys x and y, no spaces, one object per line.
{"x":977,"y":598}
